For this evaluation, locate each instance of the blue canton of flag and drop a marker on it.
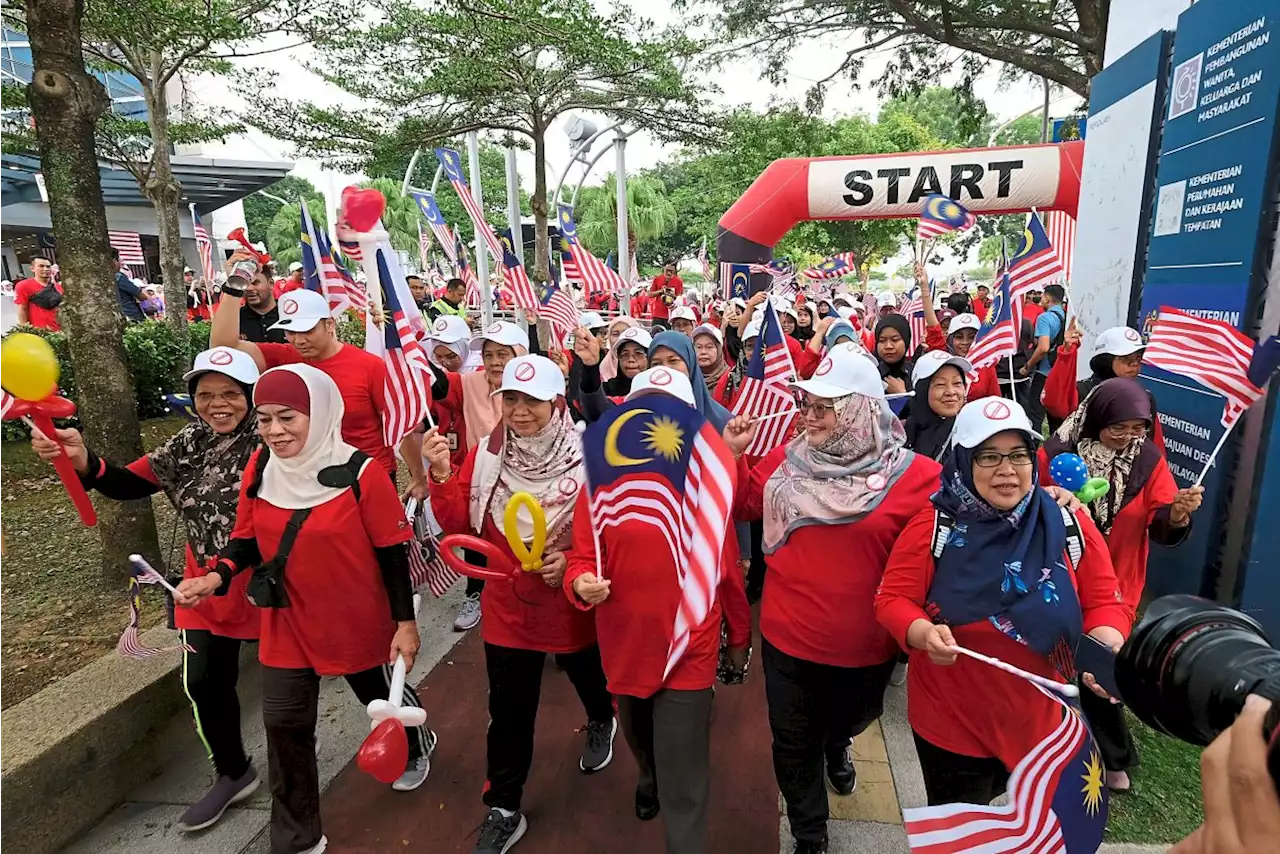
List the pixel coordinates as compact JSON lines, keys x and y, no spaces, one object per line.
{"x":1035,"y":264}
{"x":180,"y":404}
{"x":832,"y":268}
{"x":942,"y":215}
{"x":452,"y":163}
{"x":1265,"y":361}
{"x":735,"y":280}
{"x":998,"y":337}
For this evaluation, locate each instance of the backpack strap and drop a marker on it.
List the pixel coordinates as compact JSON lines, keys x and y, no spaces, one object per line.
{"x":1075,"y":538}
{"x":942,"y":527}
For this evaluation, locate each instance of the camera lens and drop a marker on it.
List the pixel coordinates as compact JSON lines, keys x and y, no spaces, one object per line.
{"x":1189,"y":664}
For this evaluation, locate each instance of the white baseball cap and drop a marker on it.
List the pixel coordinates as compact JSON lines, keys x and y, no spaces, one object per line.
{"x":981,"y":419}
{"x":295,"y":266}
{"x":634,"y":335}
{"x":843,"y":371}
{"x":536,"y":376}
{"x":964,"y":320}
{"x":683,"y":313}
{"x":449,"y":329}
{"x":886,"y":298}
{"x":933,"y":361}
{"x":590,"y":320}
{"x":301,"y":310}
{"x":1119,"y":341}
{"x":845,"y":298}
{"x":227,"y":361}
{"x":662,"y":380}
{"x":753,"y":328}
{"x":846,"y":311}
{"x":501,"y":332}
{"x":708,"y":329}
{"x":739,"y":302}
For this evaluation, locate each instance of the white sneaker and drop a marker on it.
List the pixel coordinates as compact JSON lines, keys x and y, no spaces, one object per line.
{"x":318,"y":848}
{"x":468,"y":616}
{"x":416,"y":771}
{"x":899,"y":676}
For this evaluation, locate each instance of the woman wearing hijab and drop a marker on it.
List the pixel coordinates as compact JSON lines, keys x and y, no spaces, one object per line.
{"x":325,"y":536}
{"x":995,"y":565}
{"x":630,"y":356}
{"x":939,"y":387}
{"x":534,"y":449}
{"x":1117,"y":353}
{"x":804,"y":323}
{"x":675,"y":351}
{"x":833,"y":501}
{"x":1111,"y":433}
{"x":723,"y":380}
{"x":666,"y":717}
{"x":609,"y":365}
{"x":199,"y":472}
{"x":893,"y":348}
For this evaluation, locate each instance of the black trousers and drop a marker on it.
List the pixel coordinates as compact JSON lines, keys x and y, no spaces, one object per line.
{"x":515,"y":687}
{"x":289,"y":710}
{"x":670,"y":736}
{"x":474,"y":585}
{"x":1119,"y":753}
{"x":1032,"y":404}
{"x":953,"y":778}
{"x":209,"y":675}
{"x":756,"y":569}
{"x":814,"y":711}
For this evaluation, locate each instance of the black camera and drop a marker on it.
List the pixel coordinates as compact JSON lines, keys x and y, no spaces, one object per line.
{"x":1189,"y":664}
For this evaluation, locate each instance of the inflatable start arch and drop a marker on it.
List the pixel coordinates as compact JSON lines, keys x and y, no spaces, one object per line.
{"x":1005,"y":180}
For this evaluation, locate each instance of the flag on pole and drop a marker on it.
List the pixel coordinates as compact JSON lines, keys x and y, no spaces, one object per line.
{"x":912,"y":308}
{"x":204,"y":245}
{"x":452,"y":163}
{"x":997,"y":338}
{"x":942,"y":215}
{"x":323,"y":274}
{"x":462,"y":263}
{"x":660,"y":462}
{"x":735,"y":280}
{"x":547,"y":299}
{"x":765,"y":391}
{"x":833,"y":267}
{"x":424,"y":247}
{"x":408,"y":374}
{"x":350,"y":249}
{"x":130,"y":246}
{"x":1060,"y":226}
{"x":1057,"y":803}
{"x":782,"y":276}
{"x":1035,"y":264}
{"x":703,"y":263}
{"x":1214,"y":354}
{"x":130,"y":644}
{"x":580,"y":265}
{"x":426,"y":567}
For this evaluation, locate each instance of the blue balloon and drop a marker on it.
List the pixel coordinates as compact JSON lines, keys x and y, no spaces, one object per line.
{"x":1069,"y":472}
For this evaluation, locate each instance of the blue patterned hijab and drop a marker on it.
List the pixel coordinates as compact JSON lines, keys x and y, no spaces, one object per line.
{"x":1006,"y":567}
{"x":682,"y":346}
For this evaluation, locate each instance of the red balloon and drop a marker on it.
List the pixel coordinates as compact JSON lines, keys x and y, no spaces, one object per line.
{"x":499,"y":568}
{"x":385,"y":752}
{"x":362,"y":208}
{"x":56,"y":407}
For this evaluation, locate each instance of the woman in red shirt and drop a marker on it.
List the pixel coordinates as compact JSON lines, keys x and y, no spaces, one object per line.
{"x":846,"y":487}
{"x":997,"y":566}
{"x":534,"y":449}
{"x":1110,"y":431}
{"x":666,"y":716}
{"x":321,"y":526}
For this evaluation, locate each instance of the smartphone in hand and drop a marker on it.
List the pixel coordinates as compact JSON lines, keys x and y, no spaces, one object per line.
{"x":1093,"y":656}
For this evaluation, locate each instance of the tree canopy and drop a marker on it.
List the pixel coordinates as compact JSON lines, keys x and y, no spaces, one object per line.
{"x":650,"y":214}
{"x":259,"y":210}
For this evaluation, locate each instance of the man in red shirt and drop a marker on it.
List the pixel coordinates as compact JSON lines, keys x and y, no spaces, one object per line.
{"x":639,"y":303}
{"x":664,"y":291}
{"x":45,"y":290}
{"x":293,"y":283}
{"x":982,"y":302}
{"x":313,"y":338}
{"x":1031,"y":309}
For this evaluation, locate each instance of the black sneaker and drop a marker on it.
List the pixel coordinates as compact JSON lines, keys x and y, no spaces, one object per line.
{"x":647,"y":805}
{"x":803,"y":847}
{"x":840,"y":773}
{"x":499,"y":833}
{"x":225,"y":792}
{"x":599,"y":749}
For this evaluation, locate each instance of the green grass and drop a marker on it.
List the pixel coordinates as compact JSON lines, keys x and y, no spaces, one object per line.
{"x":1164,"y":804}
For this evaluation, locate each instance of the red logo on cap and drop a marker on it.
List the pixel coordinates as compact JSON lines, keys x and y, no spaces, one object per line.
{"x":567,"y":486}
{"x":220,"y":357}
{"x":997,"y":410}
{"x":1131,"y":334}
{"x":525,"y":372}
{"x":494,"y":327}
{"x":661,"y":377}
{"x":824,"y":368}
{"x":441,"y":325}
{"x":289,"y":307}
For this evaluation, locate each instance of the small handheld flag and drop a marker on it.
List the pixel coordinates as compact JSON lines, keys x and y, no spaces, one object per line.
{"x":941,"y":216}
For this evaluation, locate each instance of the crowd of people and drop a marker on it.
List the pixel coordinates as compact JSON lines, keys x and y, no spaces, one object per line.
{"x":875,"y":539}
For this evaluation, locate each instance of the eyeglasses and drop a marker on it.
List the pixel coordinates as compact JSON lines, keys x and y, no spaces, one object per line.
{"x":204,"y":398}
{"x":819,"y":410}
{"x":991,"y":459}
{"x":1118,"y":432}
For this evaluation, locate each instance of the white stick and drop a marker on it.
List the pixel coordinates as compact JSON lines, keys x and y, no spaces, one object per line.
{"x":140,"y":564}
{"x":1222,"y":440}
{"x":35,"y":431}
{"x":781,"y":414}
{"x":1048,"y":684}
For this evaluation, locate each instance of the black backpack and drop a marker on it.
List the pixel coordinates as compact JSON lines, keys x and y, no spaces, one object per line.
{"x":48,"y":297}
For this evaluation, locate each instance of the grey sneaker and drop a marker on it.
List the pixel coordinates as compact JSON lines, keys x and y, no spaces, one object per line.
{"x":899,"y":675}
{"x":224,"y":792}
{"x":599,"y":749}
{"x":416,"y":771}
{"x":499,"y":833}
{"x":468,"y":614}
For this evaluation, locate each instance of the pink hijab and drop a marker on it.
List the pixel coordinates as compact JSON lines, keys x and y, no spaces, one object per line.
{"x":609,"y":364}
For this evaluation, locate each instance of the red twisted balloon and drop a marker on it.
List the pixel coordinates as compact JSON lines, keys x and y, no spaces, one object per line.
{"x":500,"y":567}
{"x":42,"y":412}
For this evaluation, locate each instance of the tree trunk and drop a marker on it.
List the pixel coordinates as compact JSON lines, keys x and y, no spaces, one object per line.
{"x":65,"y":104}
{"x":165,"y":193}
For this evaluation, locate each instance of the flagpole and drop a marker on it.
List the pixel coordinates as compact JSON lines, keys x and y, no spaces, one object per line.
{"x":1222,"y":440}
{"x":482,"y":257}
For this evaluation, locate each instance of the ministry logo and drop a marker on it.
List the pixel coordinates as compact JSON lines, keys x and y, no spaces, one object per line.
{"x":1186,"y":86}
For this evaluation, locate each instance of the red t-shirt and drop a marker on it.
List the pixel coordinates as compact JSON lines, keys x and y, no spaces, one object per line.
{"x":40,"y":318}
{"x":339,"y":616}
{"x":980,"y":308}
{"x":660,"y":309}
{"x":283,"y":286}
{"x":520,"y":614}
{"x":967,"y":707}
{"x":640,"y":306}
{"x":362,"y":379}
{"x":450,"y":420}
{"x":819,"y":609}
{"x":636,"y":623}
{"x":1030,"y":312}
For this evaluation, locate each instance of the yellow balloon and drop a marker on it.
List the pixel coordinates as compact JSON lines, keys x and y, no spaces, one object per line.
{"x":530,"y":556}
{"x":28,"y":367}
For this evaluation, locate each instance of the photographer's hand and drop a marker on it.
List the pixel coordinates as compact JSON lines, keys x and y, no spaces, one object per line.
{"x":1241,"y":806}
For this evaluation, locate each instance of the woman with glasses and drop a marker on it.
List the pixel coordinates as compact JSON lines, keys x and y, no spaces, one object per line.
{"x":996,"y":566}
{"x":833,"y":501}
{"x":1111,"y":433}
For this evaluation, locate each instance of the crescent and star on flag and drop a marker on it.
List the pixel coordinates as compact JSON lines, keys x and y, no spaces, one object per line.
{"x":661,"y":436}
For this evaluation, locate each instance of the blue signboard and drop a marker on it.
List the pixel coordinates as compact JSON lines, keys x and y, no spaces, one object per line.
{"x":1065,"y":130}
{"x":1212,"y":183}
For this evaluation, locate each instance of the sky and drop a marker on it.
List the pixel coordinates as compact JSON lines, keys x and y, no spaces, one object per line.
{"x":740,"y":84}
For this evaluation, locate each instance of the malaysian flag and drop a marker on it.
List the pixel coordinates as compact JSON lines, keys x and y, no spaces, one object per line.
{"x":735,"y":280}
{"x":1061,"y":228}
{"x":1215,"y":354}
{"x":912,"y":308}
{"x":1035,"y":264}
{"x":547,"y":299}
{"x":322,"y":274}
{"x":782,"y":276}
{"x":408,"y":373}
{"x":204,"y":245}
{"x":426,"y":567}
{"x":580,"y":265}
{"x":130,"y":645}
{"x":833,"y":267}
{"x":130,"y":246}
{"x":424,"y":248}
{"x":452,"y":163}
{"x":703,"y":263}
{"x":765,"y":390}
{"x":998,"y":336}
{"x":462,"y":264}
{"x":658,"y":461}
{"x":942,"y":215}
{"x":1057,"y":803}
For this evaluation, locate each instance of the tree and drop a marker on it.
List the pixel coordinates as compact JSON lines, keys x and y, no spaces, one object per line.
{"x":66,"y":103}
{"x":511,"y":67}
{"x":955,"y":118}
{"x":259,"y":209}
{"x":928,"y":41}
{"x":650,"y":214}
{"x":283,"y":232}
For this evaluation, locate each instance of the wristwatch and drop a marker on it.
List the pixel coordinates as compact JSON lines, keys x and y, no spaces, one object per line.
{"x":233,"y":286}
{"x":439,"y":479}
